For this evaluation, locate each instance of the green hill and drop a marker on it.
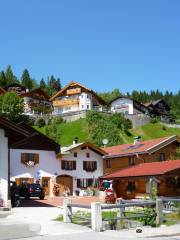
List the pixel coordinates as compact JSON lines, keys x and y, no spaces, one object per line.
{"x":79,"y":128}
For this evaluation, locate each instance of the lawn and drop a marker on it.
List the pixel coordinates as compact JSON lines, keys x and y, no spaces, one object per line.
{"x":79,"y":128}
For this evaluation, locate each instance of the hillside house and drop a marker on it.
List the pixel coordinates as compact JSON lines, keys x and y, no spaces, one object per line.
{"x":75,"y":97}
{"x":160,"y":108}
{"x":36,"y":101}
{"x":128,"y":106}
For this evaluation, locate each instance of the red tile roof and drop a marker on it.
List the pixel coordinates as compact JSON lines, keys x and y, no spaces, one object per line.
{"x":138,"y":148}
{"x":146,"y":169}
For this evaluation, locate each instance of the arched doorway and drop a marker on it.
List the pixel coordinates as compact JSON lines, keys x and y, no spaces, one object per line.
{"x":66,"y":184}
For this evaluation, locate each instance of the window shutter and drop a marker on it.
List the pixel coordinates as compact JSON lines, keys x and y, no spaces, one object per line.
{"x":84,"y":165}
{"x":78,"y":183}
{"x":74,"y":165}
{"x":36,"y":158}
{"x":62,"y":164}
{"x":95,"y":165}
{"x":23,"y":158}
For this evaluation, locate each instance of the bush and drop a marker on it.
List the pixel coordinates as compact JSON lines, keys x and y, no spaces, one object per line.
{"x":57,"y":120}
{"x":153,"y":120}
{"x":150,"y":218}
{"x":40,"y":122}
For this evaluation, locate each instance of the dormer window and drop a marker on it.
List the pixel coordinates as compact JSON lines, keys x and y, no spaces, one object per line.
{"x":88,"y":155}
{"x":75,"y":154}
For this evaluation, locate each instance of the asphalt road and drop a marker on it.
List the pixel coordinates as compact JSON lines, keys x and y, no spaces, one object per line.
{"x":95,"y":236}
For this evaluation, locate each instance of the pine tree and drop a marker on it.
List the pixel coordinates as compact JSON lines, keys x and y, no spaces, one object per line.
{"x":10,"y":77}
{"x":3,"y":82}
{"x":42,"y":83}
{"x":26,"y":80}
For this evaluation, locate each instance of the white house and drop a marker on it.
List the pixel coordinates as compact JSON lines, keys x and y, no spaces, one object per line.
{"x":9,"y":134}
{"x":34,"y":159}
{"x":127,"y":106}
{"x":75,"y":97}
{"x":37,"y":158}
{"x":81,"y":166}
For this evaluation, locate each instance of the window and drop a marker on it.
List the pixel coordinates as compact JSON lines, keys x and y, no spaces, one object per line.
{"x":87,"y":106}
{"x":88,"y":155}
{"x":131,"y":186}
{"x":162,"y":157}
{"x":29,"y":158}
{"x":86,"y":182}
{"x":87,"y":96}
{"x":68,"y":165}
{"x":108,"y":163}
{"x":89,"y":166}
{"x":131,"y":161}
{"x":82,"y":106}
{"x":75,"y":154}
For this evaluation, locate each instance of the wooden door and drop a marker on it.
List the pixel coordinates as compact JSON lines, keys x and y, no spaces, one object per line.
{"x":46,"y":185}
{"x":66,"y":184}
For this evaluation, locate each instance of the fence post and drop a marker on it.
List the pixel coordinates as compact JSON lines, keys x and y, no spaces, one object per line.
{"x":96,"y":216}
{"x":159,"y":211}
{"x":67,"y":210}
{"x":120,"y":213}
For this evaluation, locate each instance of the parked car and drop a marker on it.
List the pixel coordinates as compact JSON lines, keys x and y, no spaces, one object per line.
{"x":32,"y":190}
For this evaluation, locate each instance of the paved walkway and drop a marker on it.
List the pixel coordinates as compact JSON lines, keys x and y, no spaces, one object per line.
{"x":57,"y":201}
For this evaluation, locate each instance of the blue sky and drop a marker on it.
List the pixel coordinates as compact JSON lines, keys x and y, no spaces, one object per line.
{"x":104,"y":44}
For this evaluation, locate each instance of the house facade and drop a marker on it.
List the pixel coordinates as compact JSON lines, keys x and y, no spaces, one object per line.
{"x":75,"y":97}
{"x":9,"y":134}
{"x":36,"y":101}
{"x":160,"y":108}
{"x":81,"y":165}
{"x":127,"y":106}
{"x":127,"y":155}
{"x":34,"y":160}
{"x":138,"y":181}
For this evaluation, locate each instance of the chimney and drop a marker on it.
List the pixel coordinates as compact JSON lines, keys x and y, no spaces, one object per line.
{"x":75,"y":141}
{"x":137,"y":139}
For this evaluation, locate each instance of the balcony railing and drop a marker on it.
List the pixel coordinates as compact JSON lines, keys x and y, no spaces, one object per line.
{"x":59,"y":103}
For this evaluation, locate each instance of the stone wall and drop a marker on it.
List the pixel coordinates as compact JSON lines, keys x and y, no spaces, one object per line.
{"x":138,"y":120}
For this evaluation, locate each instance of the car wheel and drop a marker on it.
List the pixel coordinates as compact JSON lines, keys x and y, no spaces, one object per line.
{"x":41,"y":197}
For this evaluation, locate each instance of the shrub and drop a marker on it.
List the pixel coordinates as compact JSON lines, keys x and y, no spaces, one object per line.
{"x":153,"y":120}
{"x":40,"y":122}
{"x":150,"y":217}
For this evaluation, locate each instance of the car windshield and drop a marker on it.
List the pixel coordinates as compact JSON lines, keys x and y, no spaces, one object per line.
{"x":34,"y":185}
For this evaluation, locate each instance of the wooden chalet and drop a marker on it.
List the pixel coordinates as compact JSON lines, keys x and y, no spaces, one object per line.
{"x":137,"y":181}
{"x":75,"y":97}
{"x":160,"y":108}
{"x":127,"y":155}
{"x":36,"y":101}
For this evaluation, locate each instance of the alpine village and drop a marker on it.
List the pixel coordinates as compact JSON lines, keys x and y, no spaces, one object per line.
{"x":70,"y":142}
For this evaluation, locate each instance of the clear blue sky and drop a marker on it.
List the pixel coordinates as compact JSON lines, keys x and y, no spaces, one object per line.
{"x":104,"y":44}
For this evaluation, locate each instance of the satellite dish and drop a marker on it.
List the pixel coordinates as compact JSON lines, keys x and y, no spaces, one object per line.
{"x":105,"y":141}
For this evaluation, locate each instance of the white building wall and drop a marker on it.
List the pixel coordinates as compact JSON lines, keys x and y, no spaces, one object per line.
{"x":79,"y":172}
{"x":122,"y":105}
{"x":85,"y":101}
{"x":3,"y":167}
{"x":48,"y":165}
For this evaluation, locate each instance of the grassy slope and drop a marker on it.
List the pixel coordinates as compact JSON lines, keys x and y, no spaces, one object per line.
{"x":79,"y":129}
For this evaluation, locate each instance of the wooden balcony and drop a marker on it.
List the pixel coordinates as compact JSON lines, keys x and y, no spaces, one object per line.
{"x":65,"y":102}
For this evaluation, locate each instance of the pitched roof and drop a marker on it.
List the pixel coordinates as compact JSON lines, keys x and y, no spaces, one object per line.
{"x":73,"y":83}
{"x":36,"y":90}
{"x":146,"y":169}
{"x":66,"y":150}
{"x":141,"y":147}
{"x":36,"y":140}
